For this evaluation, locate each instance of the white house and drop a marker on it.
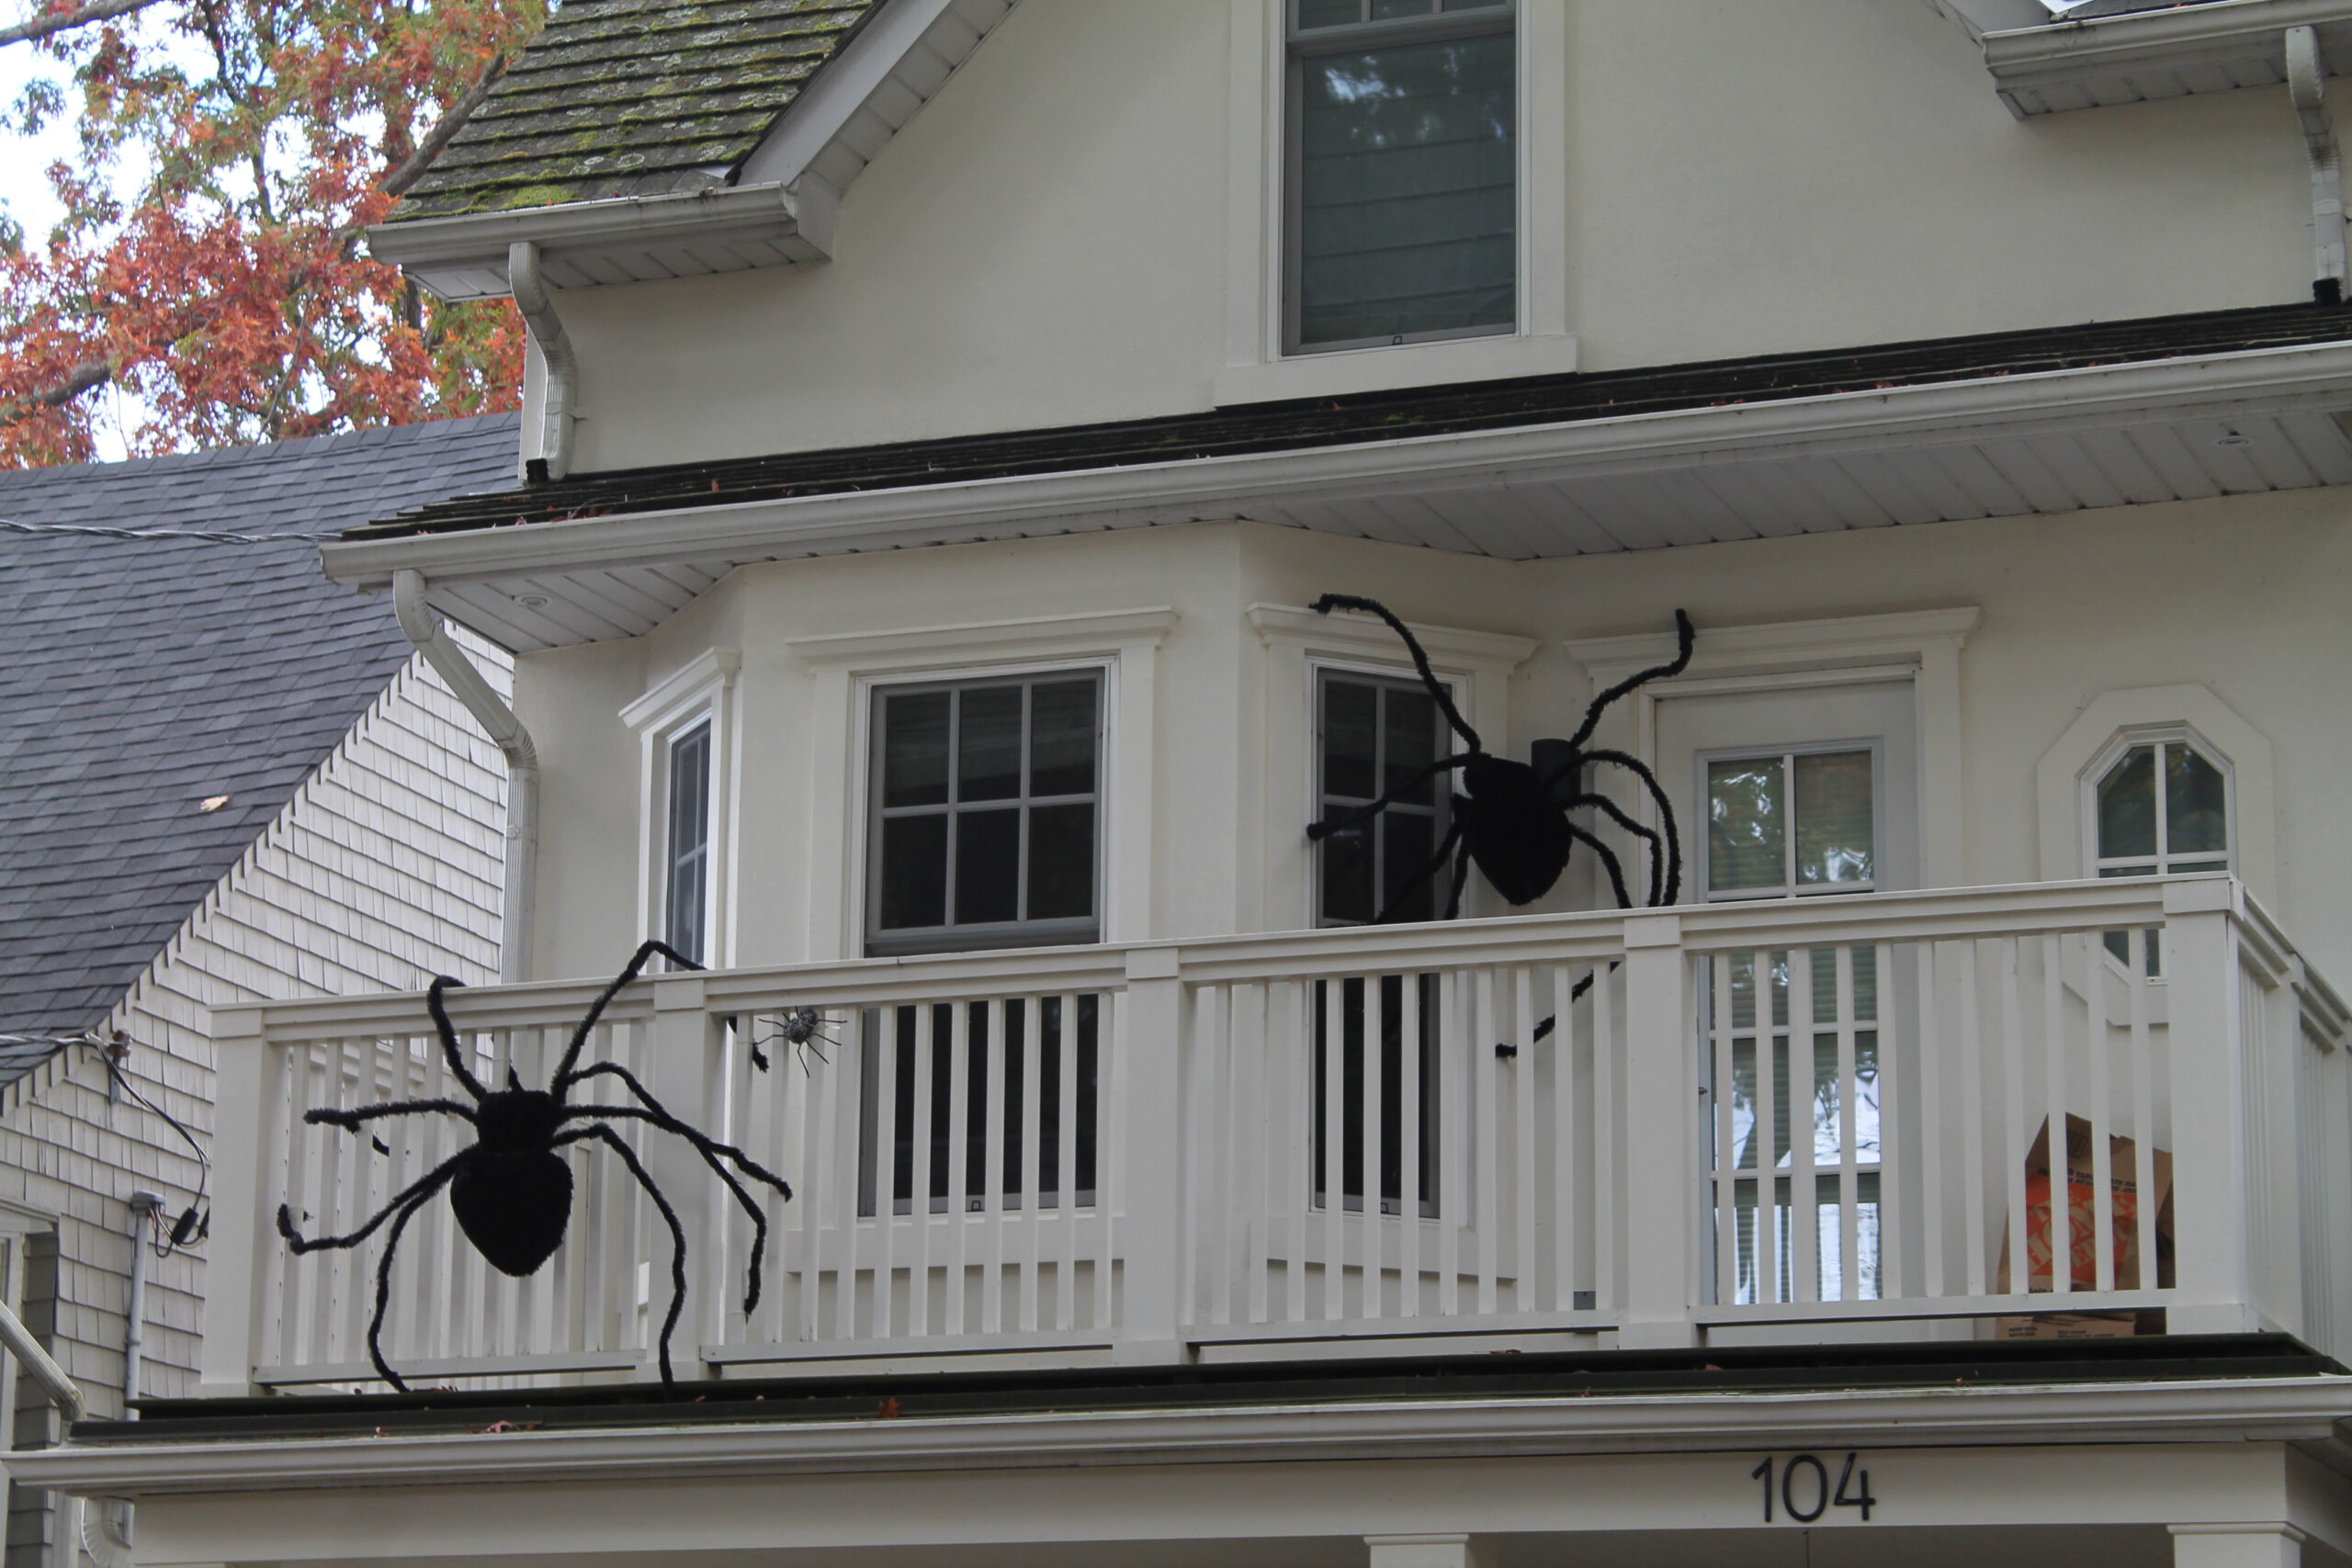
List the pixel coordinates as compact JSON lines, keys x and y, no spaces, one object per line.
{"x":946,"y":418}
{"x":225,"y":782}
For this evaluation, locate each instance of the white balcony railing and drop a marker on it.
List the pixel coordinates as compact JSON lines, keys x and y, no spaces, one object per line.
{"x":1775,"y":1117}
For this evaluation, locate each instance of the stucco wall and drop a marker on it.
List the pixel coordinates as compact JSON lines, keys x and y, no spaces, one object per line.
{"x":383,"y":871}
{"x":1046,"y":243}
{"x":2241,"y":595}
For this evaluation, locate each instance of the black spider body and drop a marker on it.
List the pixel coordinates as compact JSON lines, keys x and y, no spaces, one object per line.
{"x":511,"y":1188}
{"x":1511,"y":818}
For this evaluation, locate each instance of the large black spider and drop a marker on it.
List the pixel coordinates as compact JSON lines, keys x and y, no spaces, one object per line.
{"x":511,"y":1190}
{"x":1511,"y":817}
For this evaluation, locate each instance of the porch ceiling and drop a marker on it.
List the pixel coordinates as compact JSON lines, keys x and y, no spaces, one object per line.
{"x":1764,"y":458}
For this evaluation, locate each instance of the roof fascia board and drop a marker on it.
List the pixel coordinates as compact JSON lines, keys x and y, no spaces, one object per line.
{"x":2218,"y":386}
{"x":2234,"y":1410}
{"x":465,"y":256}
{"x":2182,"y":36}
{"x":816,"y":119}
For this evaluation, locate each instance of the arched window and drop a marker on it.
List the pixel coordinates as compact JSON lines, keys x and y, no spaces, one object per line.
{"x":2161,"y":806}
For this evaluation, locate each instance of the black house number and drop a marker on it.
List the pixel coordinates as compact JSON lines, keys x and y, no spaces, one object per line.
{"x":1804,"y":1492}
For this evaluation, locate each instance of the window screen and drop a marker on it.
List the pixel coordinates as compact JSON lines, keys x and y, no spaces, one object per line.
{"x":985,"y":814}
{"x":1404,"y":169}
{"x":687,"y":893}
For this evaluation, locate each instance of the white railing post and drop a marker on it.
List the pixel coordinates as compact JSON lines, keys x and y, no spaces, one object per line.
{"x":683,"y":1078}
{"x":1660,"y":1198}
{"x":2210,"y":1191}
{"x":1150,"y":1151}
{"x":244,"y":1198}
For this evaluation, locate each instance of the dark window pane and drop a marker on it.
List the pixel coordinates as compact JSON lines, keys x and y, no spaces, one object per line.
{"x":2196,"y":804}
{"x":1412,"y":738}
{"x":1747,"y":817}
{"x":2126,"y":806}
{"x":1383,"y":10}
{"x":1061,"y":739}
{"x":1347,"y":875}
{"x":1407,"y":190}
{"x":914,"y":749}
{"x":1835,"y":820}
{"x":1328,"y":13}
{"x":987,"y":866}
{"x":689,"y":845}
{"x":914,"y":872}
{"x":1351,"y":727}
{"x":987,"y":743}
{"x":1407,"y":840}
{"x":1061,"y":861}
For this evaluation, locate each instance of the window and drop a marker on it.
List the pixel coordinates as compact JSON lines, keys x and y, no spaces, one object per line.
{"x":986,"y":813}
{"x":1372,"y":736}
{"x":1799,"y":822}
{"x":686,"y":862}
{"x":2162,"y":808}
{"x":1402,"y":199}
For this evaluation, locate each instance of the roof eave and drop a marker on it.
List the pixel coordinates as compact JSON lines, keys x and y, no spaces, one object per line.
{"x":2217,"y":46}
{"x":620,"y":239}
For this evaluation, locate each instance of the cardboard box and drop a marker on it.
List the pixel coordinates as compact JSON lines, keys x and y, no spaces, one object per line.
{"x":2082,"y":1240}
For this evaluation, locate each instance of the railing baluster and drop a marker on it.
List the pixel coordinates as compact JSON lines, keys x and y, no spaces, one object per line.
{"x":1771,"y":1268}
{"x":1033,"y":1161}
{"x":1976,"y":1241}
{"x":2143,"y":1102}
{"x":1111,"y":1056}
{"x":1849,"y":1093}
{"x":919,"y":1228}
{"x":1568,"y":1228}
{"x":884,"y":1120}
{"x":1804,"y":1114}
{"x":1330,"y":997}
{"x":2015,"y":1133}
{"x":992,"y":1170}
{"x":1292,"y":1142}
{"x":960,"y":1164}
{"x":1930,"y":1077}
{"x":1607,"y":1111}
{"x":1371,"y":1214}
{"x":1411,"y":1064}
{"x":1066,"y":1171}
{"x":1485,"y":1032}
{"x":1726,"y":1184}
{"x":1254,"y":1079}
{"x":834,"y":1230}
{"x":1211,"y":1152}
{"x":1454,"y":1186}
{"x":2053,"y":1047}
{"x":1525,"y":1188}
{"x":2101,"y":1107}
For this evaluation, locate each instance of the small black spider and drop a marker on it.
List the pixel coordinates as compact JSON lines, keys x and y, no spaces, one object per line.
{"x":1511,"y":817}
{"x":511,"y":1190}
{"x":799,"y":1029}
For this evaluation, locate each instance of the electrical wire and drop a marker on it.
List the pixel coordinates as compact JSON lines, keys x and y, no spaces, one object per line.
{"x":195,"y":1223}
{"x":205,"y":535}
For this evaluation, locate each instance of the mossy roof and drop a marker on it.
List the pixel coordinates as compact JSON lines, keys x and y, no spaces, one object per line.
{"x":633,"y":97}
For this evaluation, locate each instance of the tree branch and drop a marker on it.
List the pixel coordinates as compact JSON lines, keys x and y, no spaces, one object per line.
{"x":51,"y":22}
{"x":83,"y":377}
{"x":413,"y":167}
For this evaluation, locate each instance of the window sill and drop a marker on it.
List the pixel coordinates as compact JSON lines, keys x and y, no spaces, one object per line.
{"x":1392,"y":367}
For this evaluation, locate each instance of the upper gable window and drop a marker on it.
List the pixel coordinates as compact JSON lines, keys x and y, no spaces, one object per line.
{"x":1403,"y":172}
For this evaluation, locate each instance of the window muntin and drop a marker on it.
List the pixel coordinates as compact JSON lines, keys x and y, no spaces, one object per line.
{"x":1372,"y":735}
{"x":2148,"y":828}
{"x":1403,"y":172}
{"x":686,"y":897}
{"x":1792,"y":823}
{"x":986,"y":813}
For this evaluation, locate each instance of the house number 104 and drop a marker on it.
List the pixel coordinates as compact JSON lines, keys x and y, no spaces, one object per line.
{"x":1804,"y":1491}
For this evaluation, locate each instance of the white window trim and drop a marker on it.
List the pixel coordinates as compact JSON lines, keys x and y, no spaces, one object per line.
{"x":1922,"y":645}
{"x":2066,"y":777}
{"x":1256,"y":370}
{"x":701,"y":692}
{"x":847,"y":668}
{"x":1299,"y":646}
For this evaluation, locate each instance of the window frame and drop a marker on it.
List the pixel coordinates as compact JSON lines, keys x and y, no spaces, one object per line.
{"x":1440,"y":810}
{"x":700,"y":696}
{"x":2107,"y":758}
{"x":705,"y":731}
{"x":1502,"y":18}
{"x":993,"y":936}
{"x":1701,"y":859}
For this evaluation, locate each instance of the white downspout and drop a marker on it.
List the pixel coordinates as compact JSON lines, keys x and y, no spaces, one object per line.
{"x":104,"y":1532}
{"x":424,"y":629}
{"x":563,"y":391}
{"x":134,"y":1335}
{"x":2304,"y":74}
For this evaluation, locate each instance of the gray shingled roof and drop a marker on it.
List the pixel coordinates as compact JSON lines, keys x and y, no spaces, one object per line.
{"x":633,"y":97}
{"x":139,"y":678}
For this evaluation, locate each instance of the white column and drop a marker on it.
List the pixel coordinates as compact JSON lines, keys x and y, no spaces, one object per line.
{"x":245,"y":1210}
{"x":2210,"y":1195}
{"x":1151,"y":1152}
{"x":1660,"y":1197}
{"x":1426,"y":1552}
{"x":2255,"y":1545}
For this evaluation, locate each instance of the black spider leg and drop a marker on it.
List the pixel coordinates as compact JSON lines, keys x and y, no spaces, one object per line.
{"x":710,"y":1148}
{"x":596,"y":1009}
{"x":1685,"y":640}
{"x":448,"y":1032}
{"x":1444,"y":847}
{"x":1673,"y":890}
{"x":1461,"y":879}
{"x":399,"y":1211}
{"x":669,"y":1217}
{"x":1616,"y":814}
{"x":1353,"y":814}
{"x":1437,"y":689}
{"x":350,"y":1120}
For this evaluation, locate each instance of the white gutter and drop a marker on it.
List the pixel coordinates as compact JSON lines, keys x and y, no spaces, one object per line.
{"x":441,"y":650}
{"x":2215,"y":385}
{"x":2304,"y":84}
{"x":2228,"y":1410}
{"x":561,"y":389}
{"x":104,"y":1532}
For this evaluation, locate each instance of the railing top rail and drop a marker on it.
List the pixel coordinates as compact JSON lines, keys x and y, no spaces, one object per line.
{"x":1596,"y":936}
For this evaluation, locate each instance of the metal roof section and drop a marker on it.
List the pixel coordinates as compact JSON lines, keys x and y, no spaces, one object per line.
{"x":161,"y":701}
{"x":638,"y":139}
{"x":2038,"y":422}
{"x":2135,"y":55}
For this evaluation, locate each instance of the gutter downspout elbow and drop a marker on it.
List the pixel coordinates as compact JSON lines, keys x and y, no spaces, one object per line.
{"x":556,"y":413}
{"x":2305,"y":70}
{"x":441,"y":650}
